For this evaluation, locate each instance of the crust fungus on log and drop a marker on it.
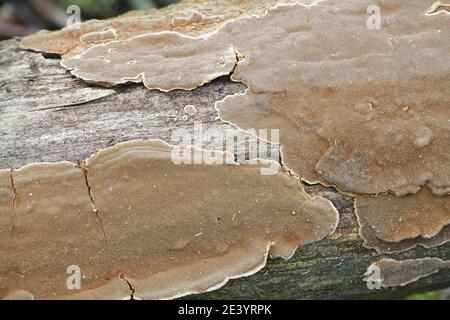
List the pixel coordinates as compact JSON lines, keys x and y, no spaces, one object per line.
{"x":398,"y":218}
{"x":131,"y":214}
{"x":396,"y":273}
{"x":439,"y":7}
{"x":52,"y":227}
{"x":191,"y":17}
{"x":351,"y":118}
{"x":358,"y":130}
{"x":390,"y":224}
{"x":346,"y":102}
{"x":339,"y":127}
{"x":134,"y":62}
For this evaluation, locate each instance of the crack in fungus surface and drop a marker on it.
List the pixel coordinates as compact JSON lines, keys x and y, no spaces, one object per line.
{"x":52,"y":218}
{"x":173,"y":229}
{"x":94,"y":207}
{"x":13,"y":188}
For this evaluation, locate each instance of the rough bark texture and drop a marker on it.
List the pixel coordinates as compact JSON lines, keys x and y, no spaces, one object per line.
{"x":46,"y":115}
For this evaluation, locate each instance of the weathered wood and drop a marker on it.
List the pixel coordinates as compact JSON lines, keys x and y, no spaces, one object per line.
{"x":46,"y":115}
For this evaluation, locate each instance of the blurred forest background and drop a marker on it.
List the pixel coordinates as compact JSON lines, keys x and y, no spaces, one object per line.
{"x":22,"y":17}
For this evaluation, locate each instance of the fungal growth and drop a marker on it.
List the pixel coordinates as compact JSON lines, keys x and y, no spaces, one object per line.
{"x":358,"y":130}
{"x":390,"y":224}
{"x":120,"y":64}
{"x":323,"y":112}
{"x":6,"y":194}
{"x":52,"y":228}
{"x":337,"y":127}
{"x":6,"y":216}
{"x":169,"y":230}
{"x":396,"y":273}
{"x":439,"y":7}
{"x":191,"y":17}
{"x":360,"y":109}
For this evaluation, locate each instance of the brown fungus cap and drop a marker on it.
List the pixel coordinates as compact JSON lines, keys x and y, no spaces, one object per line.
{"x":132,"y":214}
{"x":372,"y":242}
{"x":205,"y":223}
{"x":396,"y":273}
{"x":335,"y":96}
{"x":394,"y":219}
{"x":391,"y":224}
{"x":139,"y":60}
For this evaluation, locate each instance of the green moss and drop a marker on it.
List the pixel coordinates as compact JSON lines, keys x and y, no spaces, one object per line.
{"x":433,"y":295}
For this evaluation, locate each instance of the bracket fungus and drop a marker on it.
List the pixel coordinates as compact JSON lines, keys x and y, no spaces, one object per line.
{"x":396,"y":273}
{"x":389,"y":223}
{"x":134,"y":62}
{"x":169,"y":230}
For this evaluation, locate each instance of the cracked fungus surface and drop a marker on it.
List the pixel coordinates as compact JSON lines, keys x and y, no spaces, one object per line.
{"x":396,"y":273}
{"x":170,"y":230}
{"x":359,"y":109}
{"x":50,"y":228}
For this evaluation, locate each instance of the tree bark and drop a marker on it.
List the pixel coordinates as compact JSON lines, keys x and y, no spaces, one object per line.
{"x":47,"y":115}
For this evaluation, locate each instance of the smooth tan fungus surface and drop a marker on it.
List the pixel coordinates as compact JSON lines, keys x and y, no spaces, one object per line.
{"x":168,"y":229}
{"x":191,"y":17}
{"x":393,"y":219}
{"x":361,"y":109}
{"x":134,"y":62}
{"x":203,"y":223}
{"x":6,"y":216}
{"x":403,"y":272}
{"x":6,"y":195}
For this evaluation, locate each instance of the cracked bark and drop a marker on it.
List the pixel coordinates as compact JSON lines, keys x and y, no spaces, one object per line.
{"x":72,"y":119}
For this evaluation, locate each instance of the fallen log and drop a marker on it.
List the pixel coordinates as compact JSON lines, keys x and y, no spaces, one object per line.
{"x":46,"y":115}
